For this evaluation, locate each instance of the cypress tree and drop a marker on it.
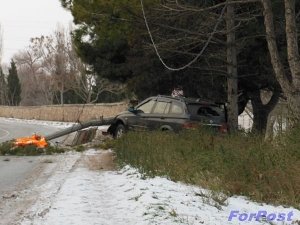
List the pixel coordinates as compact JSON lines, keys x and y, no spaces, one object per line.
{"x":14,"y":86}
{"x":3,"y":88}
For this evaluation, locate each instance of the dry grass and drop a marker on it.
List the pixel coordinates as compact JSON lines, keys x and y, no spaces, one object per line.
{"x":67,"y":113}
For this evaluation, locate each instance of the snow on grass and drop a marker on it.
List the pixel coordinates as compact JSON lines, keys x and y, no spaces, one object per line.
{"x":127,"y":197}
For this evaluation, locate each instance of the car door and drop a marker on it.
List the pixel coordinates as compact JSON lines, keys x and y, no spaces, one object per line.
{"x":142,"y":112}
{"x":159,"y":114}
{"x":176,"y":116}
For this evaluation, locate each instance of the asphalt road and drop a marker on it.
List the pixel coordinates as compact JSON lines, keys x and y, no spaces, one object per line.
{"x":15,"y":170}
{"x":13,"y":129}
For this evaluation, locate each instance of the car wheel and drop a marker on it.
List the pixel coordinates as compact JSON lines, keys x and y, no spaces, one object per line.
{"x":119,"y":131}
{"x":168,"y":129}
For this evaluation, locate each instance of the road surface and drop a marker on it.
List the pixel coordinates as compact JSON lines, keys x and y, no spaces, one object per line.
{"x":10,"y":129}
{"x":15,"y":170}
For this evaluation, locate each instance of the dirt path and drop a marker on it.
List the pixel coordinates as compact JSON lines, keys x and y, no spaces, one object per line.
{"x":99,"y":160}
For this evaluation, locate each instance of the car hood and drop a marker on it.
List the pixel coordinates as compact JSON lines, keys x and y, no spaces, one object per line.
{"x":124,"y":113}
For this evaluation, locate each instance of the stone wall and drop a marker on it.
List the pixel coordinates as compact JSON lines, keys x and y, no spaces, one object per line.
{"x":66,"y":113}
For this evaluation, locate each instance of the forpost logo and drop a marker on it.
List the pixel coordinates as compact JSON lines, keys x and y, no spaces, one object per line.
{"x":260,"y":215}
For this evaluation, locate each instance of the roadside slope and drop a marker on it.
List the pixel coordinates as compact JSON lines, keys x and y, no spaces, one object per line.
{"x":119,"y":197}
{"x":49,"y":175}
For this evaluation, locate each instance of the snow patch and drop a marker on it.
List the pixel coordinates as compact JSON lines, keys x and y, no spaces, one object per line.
{"x":127,"y":197}
{"x":49,"y":190}
{"x":56,"y":124}
{"x":39,"y":122}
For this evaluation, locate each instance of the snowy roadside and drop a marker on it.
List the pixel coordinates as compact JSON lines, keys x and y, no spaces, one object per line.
{"x":49,"y":175}
{"x":38,"y":122}
{"x":126,"y":197}
{"x":68,"y":192}
{"x":56,"y":124}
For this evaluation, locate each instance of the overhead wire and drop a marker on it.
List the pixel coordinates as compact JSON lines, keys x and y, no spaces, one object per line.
{"x":198,"y":55}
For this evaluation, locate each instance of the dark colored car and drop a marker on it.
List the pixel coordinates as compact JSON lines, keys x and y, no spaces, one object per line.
{"x":170,"y":113}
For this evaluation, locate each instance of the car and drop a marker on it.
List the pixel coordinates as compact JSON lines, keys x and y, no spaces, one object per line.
{"x":168,"y":113}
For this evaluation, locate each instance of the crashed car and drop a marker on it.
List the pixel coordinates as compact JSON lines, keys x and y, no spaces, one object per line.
{"x":167,"y":113}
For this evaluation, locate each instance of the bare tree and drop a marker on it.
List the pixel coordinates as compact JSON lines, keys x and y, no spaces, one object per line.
{"x":72,"y":74}
{"x":3,"y":83}
{"x":50,"y":65}
{"x":1,"y":45}
{"x":62,"y":66}
{"x":43,"y":67}
{"x":36,"y":80}
{"x":89,"y":86}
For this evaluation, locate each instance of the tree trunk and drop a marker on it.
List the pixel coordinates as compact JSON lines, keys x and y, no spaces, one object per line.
{"x":292,"y":41}
{"x":62,"y":95}
{"x":273,"y":49}
{"x":294,"y":60}
{"x":291,"y":89}
{"x":261,"y":111}
{"x":232,"y":82}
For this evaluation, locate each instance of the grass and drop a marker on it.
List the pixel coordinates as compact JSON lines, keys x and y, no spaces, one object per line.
{"x":7,"y":148}
{"x":237,"y":164}
{"x":105,"y":144}
{"x":79,"y":148}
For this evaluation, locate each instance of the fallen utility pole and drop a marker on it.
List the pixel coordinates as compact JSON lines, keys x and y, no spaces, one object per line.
{"x":42,"y":142}
{"x":80,"y":126}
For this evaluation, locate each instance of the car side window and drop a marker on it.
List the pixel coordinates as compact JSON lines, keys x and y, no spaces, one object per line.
{"x":176,"y":108}
{"x":162,"y":107}
{"x":207,"y":111}
{"x":146,"y":107}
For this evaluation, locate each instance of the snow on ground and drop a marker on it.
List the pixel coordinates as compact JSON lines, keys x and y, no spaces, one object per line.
{"x":76,"y":195}
{"x":57,"y":124}
{"x":39,"y":122}
{"x":127,"y":197}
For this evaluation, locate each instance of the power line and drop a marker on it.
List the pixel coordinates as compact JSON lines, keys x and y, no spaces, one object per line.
{"x":199,"y":54}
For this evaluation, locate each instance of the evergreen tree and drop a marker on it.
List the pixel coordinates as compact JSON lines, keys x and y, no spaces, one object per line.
{"x":3,"y":88}
{"x":13,"y":83}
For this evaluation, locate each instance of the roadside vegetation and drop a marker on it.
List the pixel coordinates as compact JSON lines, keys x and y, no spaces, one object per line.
{"x":239,"y":164}
{"x":7,"y":148}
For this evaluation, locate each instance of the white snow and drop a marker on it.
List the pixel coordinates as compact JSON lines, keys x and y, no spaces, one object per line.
{"x":57,"y":124}
{"x":127,"y":197}
{"x":75,"y":195}
{"x":39,"y":122}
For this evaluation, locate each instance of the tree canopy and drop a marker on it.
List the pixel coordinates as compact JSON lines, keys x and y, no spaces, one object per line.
{"x":112,"y":37}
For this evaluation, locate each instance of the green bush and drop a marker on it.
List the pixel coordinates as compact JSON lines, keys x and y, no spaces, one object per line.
{"x":234,"y":164}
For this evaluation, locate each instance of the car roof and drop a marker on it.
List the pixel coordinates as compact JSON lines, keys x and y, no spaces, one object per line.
{"x":188,"y":100}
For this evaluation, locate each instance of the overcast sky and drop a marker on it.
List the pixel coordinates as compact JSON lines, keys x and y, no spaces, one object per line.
{"x":20,"y":20}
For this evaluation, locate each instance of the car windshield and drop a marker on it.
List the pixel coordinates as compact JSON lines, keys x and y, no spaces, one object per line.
{"x":146,"y":107}
{"x":196,"y":109}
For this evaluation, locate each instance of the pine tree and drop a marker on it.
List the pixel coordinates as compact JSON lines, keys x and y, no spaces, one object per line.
{"x":3,"y":88}
{"x":13,"y":83}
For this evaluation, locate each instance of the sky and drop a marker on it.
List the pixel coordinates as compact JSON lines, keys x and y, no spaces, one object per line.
{"x":21,"y":20}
